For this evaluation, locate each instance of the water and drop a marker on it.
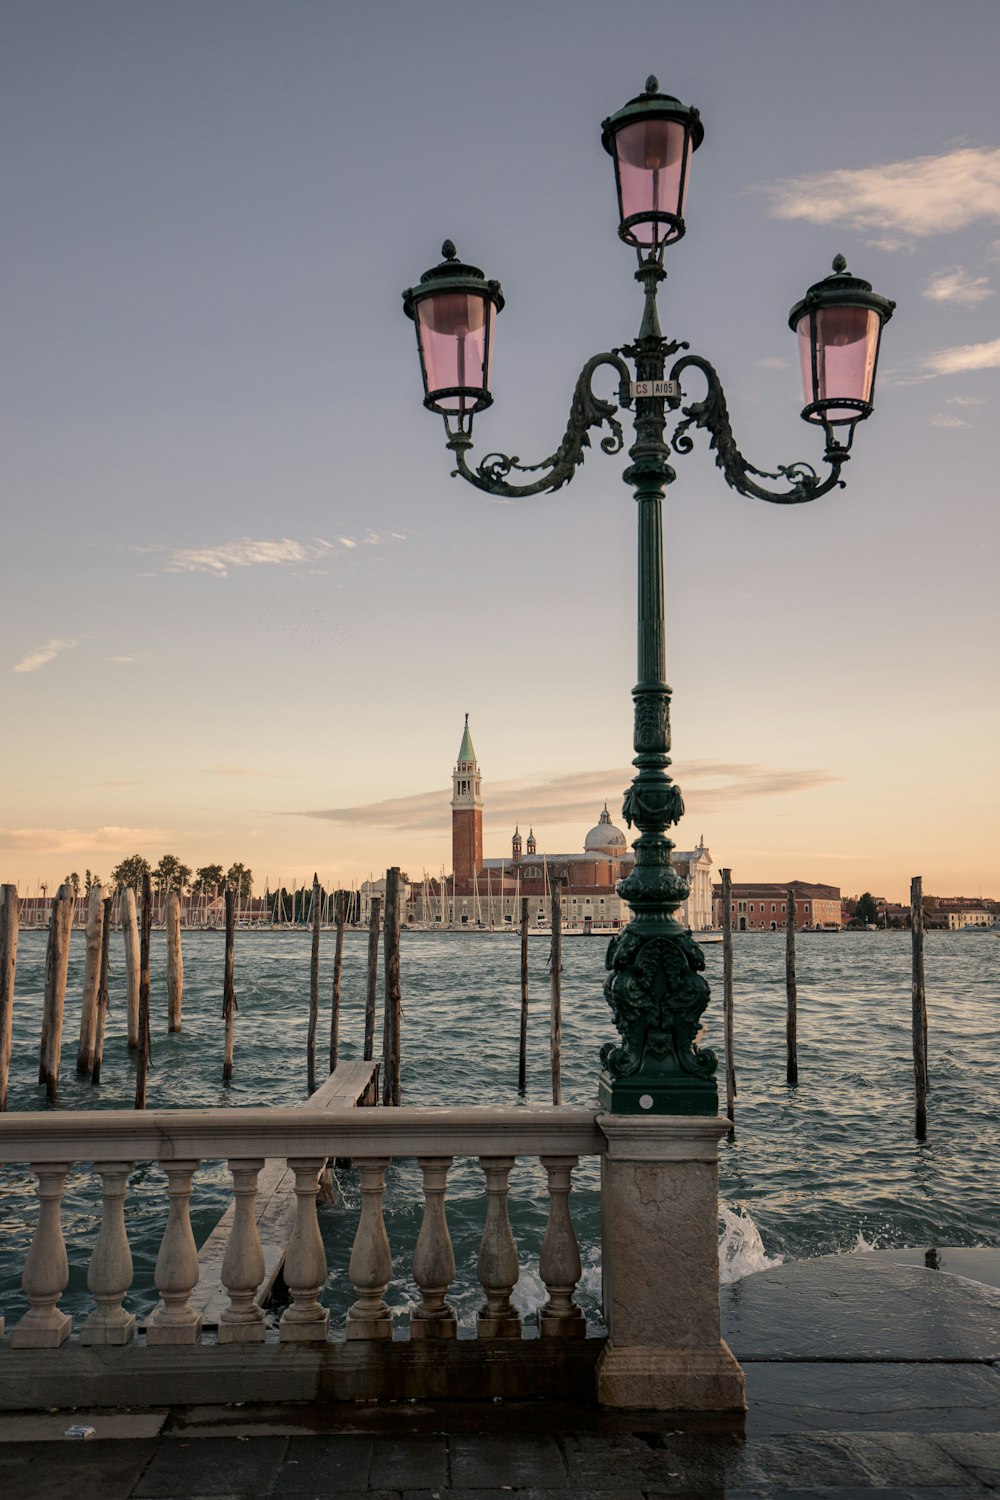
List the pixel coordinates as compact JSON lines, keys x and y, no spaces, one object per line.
{"x":815,"y":1170}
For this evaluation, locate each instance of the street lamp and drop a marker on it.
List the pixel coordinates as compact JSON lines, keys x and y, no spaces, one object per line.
{"x":655,"y":985}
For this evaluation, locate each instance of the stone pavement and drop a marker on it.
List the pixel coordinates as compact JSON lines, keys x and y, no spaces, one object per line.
{"x":864,"y":1377}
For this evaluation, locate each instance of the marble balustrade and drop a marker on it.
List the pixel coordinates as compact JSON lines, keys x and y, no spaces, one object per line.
{"x":179,"y":1140}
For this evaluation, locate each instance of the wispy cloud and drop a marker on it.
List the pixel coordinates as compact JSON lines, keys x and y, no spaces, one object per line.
{"x":251,"y":552}
{"x":124,"y":661}
{"x":250,"y":771}
{"x":957,"y":285}
{"x":578,"y":797}
{"x":916,"y":198}
{"x":945,"y":419}
{"x":44,"y":654}
{"x":965,"y":401}
{"x":963,"y":357}
{"x":78,"y":840}
{"x":771,"y":362}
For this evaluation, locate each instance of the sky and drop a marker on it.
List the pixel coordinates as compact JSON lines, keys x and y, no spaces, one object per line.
{"x":246,"y":608}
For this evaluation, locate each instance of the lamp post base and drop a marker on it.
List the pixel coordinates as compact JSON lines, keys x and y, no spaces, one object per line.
{"x":662,"y":1094}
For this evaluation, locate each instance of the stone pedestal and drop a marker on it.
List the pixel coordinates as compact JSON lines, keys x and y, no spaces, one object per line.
{"x":660,"y":1234}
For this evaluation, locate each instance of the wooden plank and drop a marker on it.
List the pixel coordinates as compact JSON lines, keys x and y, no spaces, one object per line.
{"x":350,"y":1083}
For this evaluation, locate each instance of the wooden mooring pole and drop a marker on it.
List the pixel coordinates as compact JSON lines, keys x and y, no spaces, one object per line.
{"x":229,"y":1006}
{"x":175,"y":962}
{"x":522,"y":1056}
{"x":338,"y":965}
{"x":91,"y":979}
{"x":313,"y":990}
{"x":145,"y":930}
{"x":130,"y":936}
{"x":791,"y":993}
{"x":9,"y":921}
{"x":102,"y":992}
{"x":373,"y":932}
{"x":919,"y":1015}
{"x":391,"y":1093}
{"x":727,"y":992}
{"x":555,"y":995}
{"x":54,"y":1003}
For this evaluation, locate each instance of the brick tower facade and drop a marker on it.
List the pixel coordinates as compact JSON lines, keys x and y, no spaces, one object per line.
{"x":466,"y":816}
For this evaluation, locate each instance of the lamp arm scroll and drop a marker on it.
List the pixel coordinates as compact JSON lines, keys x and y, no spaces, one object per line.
{"x":587,"y":410}
{"x":713,"y":414}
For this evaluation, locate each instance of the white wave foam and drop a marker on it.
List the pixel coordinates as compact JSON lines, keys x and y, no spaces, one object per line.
{"x":741,"y":1249}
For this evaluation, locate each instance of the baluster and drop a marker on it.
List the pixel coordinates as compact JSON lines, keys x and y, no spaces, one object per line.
{"x":371,"y":1259}
{"x":110,"y":1274}
{"x":304,"y":1320}
{"x":559,"y":1263}
{"x":242,"y":1322}
{"x":497,"y":1266}
{"x":46,"y":1269}
{"x":175,"y":1321}
{"x":433,"y":1257}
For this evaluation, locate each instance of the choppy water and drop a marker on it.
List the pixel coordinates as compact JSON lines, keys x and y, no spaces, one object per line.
{"x":809,"y":1171}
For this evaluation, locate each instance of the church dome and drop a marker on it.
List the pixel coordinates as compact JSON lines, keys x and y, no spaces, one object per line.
{"x":605,"y":838}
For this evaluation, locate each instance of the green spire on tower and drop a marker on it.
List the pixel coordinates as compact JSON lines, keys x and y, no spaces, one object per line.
{"x":467,"y":752}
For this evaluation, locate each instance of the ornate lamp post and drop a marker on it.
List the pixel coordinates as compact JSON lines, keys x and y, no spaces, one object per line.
{"x":654,"y":986}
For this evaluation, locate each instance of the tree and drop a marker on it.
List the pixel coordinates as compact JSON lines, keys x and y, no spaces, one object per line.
{"x":131,"y":871}
{"x":73,"y":881}
{"x":208,"y":880}
{"x":866,"y":911}
{"x":239,"y":880}
{"x":171,"y":875}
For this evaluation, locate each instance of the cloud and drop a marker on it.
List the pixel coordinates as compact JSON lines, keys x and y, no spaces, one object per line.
{"x":945,"y":419}
{"x":240,"y":771}
{"x":250,"y":552}
{"x":44,"y":654}
{"x":77,"y":840}
{"x":922,"y":196}
{"x":958,"y":286}
{"x":772,"y":362}
{"x":962,"y":357}
{"x":577,"y":797}
{"x":965,"y":401}
{"x":125,"y":661}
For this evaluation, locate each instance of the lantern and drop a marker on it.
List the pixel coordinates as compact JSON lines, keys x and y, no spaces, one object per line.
{"x":651,"y":141}
{"x":839,"y":323}
{"x":453,"y":309}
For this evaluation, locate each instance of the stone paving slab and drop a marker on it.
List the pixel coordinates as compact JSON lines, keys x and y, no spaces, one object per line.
{"x":44,"y":1427}
{"x":415,"y":1463}
{"x":516,"y":1463}
{"x":76,"y":1470}
{"x":856,"y":1307}
{"x":797,"y":1397}
{"x":325,"y":1465}
{"x":211,"y":1466}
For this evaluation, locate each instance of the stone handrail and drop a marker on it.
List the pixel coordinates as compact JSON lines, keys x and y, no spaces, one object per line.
{"x":408,"y":1131}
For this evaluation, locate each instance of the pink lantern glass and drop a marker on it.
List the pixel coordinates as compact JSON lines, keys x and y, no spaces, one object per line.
{"x":846,"y":342}
{"x":456,"y":341}
{"x":652,"y":157}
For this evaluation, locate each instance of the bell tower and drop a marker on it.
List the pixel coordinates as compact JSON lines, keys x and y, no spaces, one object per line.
{"x":466,"y":815}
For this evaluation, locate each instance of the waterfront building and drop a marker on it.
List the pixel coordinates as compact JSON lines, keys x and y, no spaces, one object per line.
{"x":488,"y":892}
{"x":761,"y":907}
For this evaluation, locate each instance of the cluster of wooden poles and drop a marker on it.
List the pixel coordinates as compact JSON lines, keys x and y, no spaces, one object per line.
{"x":918,"y":1008}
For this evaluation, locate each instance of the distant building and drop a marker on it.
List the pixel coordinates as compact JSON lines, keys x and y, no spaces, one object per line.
{"x":488,"y":892}
{"x":960,"y":917}
{"x":761,"y":907}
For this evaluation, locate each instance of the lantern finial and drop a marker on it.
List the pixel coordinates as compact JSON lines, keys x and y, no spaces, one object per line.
{"x":448,"y":250}
{"x":839,"y":264}
{"x":652,"y":84}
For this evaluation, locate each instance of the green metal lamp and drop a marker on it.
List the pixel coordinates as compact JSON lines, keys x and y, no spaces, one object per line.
{"x":839,"y":323}
{"x":654,"y":985}
{"x":453,"y":310}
